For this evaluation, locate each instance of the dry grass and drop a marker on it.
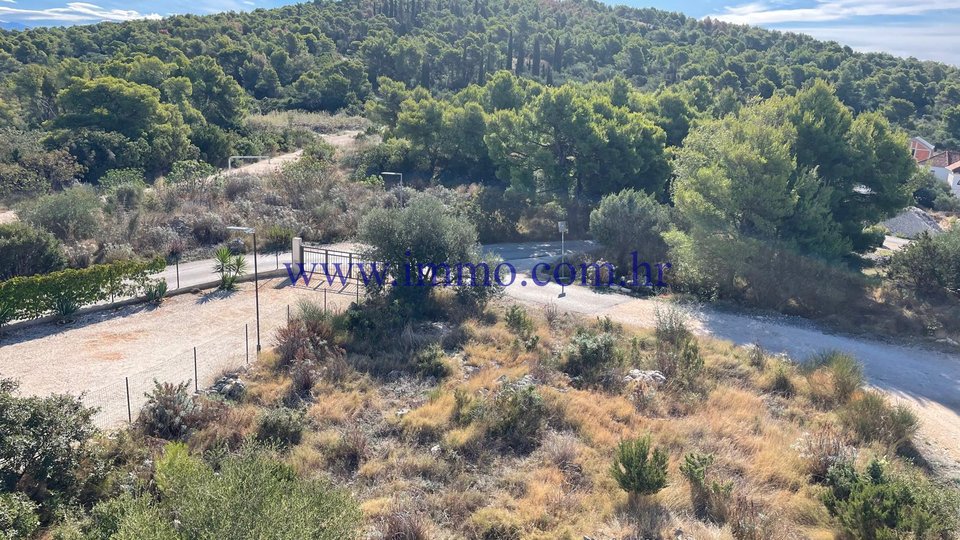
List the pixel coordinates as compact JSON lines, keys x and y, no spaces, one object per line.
{"x":422,"y":462}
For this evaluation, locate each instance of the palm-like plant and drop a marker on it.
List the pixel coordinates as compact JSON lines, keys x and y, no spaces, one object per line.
{"x":230,"y":267}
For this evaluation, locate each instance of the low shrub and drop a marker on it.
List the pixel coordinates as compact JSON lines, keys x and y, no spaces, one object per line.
{"x":429,"y":362}
{"x":250,"y":495}
{"x":350,"y":450}
{"x":522,"y":326}
{"x":282,"y":426}
{"x":821,"y":449}
{"x":517,"y":417}
{"x":677,"y":353}
{"x":18,"y":516}
{"x":170,"y":412}
{"x":590,"y":354}
{"x":639,"y":468}
{"x":870,"y":418}
{"x":72,"y":214}
{"x":780,"y":381}
{"x":45,"y":440}
{"x":156,"y":291}
{"x":493,"y":524}
{"x":879,"y":504}
{"x":26,"y":251}
{"x":710,"y":498}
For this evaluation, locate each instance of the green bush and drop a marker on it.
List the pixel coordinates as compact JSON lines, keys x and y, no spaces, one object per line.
{"x":40,"y":295}
{"x":870,"y":418}
{"x":429,"y":362}
{"x":876,"y":504}
{"x":590,"y":355}
{"x":522,"y":326}
{"x":156,"y":291}
{"x":638,"y":468}
{"x":170,"y":412}
{"x":115,"y":178}
{"x":71,"y":215}
{"x":928,"y":264}
{"x":282,"y":426}
{"x":626,"y":222}
{"x":44,"y":442}
{"x":18,"y":516}
{"x":26,"y":251}
{"x":710,"y":498}
{"x":517,"y":417}
{"x":254,"y":496}
{"x":426,"y":234}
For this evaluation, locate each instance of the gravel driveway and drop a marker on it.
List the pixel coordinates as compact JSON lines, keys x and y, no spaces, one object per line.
{"x":95,"y":353}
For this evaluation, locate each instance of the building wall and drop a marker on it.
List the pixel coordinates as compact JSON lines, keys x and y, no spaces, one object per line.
{"x":941,"y":173}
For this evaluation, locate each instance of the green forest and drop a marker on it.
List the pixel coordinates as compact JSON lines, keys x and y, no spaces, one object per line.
{"x":179,"y":89}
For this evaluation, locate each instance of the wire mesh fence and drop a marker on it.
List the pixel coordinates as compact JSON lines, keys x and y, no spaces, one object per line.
{"x":203,"y":362}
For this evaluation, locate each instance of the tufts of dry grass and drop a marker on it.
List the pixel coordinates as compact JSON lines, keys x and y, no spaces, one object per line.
{"x":422,"y":458}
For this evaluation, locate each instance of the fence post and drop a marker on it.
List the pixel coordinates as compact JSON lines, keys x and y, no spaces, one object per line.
{"x":129,"y":410}
{"x":196,"y":383}
{"x":288,"y":313}
{"x":349,"y":265}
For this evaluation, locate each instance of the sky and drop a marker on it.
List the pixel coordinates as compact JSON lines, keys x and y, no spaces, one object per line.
{"x":926,"y":29}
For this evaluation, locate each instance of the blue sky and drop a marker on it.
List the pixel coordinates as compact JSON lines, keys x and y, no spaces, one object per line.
{"x":926,"y":29}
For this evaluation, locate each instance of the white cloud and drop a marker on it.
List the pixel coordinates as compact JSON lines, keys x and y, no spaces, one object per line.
{"x":73,"y":12}
{"x":926,"y":42}
{"x":762,"y":13}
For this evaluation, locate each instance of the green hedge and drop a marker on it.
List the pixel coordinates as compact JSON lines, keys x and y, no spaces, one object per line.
{"x":36,"y":296}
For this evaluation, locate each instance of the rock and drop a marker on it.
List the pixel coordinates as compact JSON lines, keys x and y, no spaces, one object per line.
{"x":229,"y":386}
{"x":402,"y":412}
{"x":435,"y":449}
{"x":394,"y":375}
{"x":653,"y":377}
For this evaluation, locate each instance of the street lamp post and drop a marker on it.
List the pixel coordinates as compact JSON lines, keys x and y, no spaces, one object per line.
{"x":256,"y":275}
{"x":397,"y":174}
{"x":562,"y":225}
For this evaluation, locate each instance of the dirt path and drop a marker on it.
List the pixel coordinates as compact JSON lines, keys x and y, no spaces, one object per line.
{"x":340,"y":140}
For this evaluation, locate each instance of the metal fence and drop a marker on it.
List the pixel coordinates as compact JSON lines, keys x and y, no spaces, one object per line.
{"x":328,"y":258}
{"x":203,"y":363}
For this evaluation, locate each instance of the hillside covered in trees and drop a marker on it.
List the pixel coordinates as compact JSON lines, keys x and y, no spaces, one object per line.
{"x":178,"y":89}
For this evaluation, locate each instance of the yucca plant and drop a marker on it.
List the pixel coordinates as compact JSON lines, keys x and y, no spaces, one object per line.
{"x":155,"y":292}
{"x":230,"y":267}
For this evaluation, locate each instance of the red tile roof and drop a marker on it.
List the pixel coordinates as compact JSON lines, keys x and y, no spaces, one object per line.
{"x":942,"y":159}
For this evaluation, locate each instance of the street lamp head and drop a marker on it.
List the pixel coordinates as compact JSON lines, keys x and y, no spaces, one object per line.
{"x":246,"y":230}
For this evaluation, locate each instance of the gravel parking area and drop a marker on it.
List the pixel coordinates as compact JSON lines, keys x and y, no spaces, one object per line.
{"x":98,"y":352}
